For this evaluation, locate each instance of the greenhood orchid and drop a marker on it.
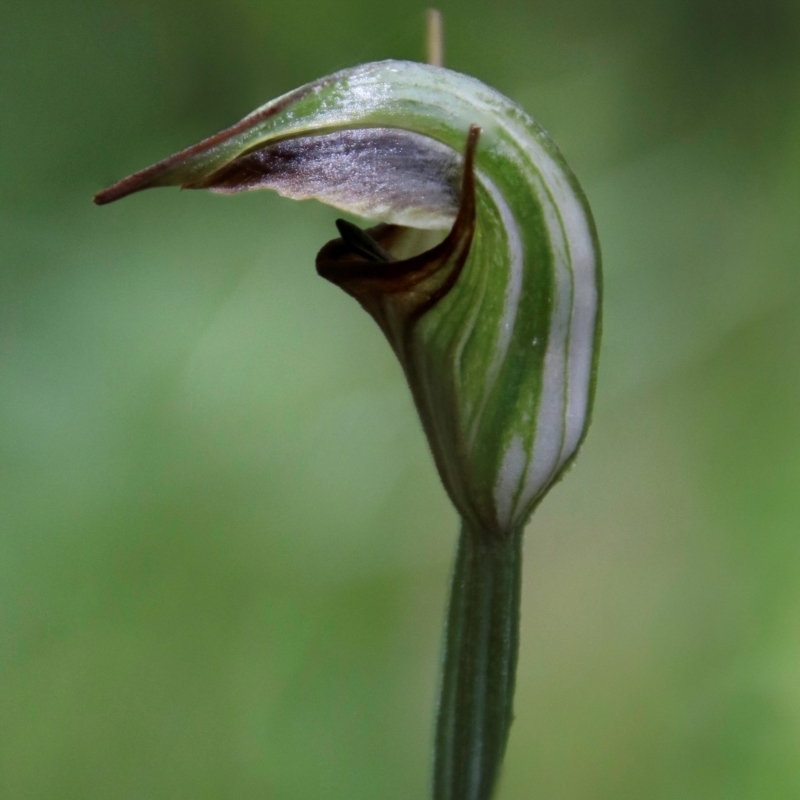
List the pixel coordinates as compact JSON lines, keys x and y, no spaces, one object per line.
{"x":483,"y":272}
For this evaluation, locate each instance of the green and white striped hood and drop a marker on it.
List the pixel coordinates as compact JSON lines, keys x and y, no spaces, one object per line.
{"x":501,"y":356}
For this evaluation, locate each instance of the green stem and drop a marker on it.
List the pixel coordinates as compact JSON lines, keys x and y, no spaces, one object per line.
{"x":481,"y":645}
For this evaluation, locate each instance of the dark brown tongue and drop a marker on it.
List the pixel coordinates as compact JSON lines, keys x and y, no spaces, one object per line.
{"x":361,"y":243}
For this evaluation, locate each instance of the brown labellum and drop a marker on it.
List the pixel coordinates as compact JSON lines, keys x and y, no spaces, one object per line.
{"x":398,"y":292}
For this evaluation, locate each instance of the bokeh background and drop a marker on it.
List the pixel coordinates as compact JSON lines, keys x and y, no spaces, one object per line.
{"x":223,"y":547}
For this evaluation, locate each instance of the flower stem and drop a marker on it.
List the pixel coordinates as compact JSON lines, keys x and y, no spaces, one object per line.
{"x":434,"y":37}
{"x":481,"y":645}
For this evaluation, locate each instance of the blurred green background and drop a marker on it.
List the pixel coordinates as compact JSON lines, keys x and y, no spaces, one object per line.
{"x":223,"y":547}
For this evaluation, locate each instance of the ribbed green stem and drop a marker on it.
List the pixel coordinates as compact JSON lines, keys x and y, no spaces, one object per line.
{"x":481,"y":645}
